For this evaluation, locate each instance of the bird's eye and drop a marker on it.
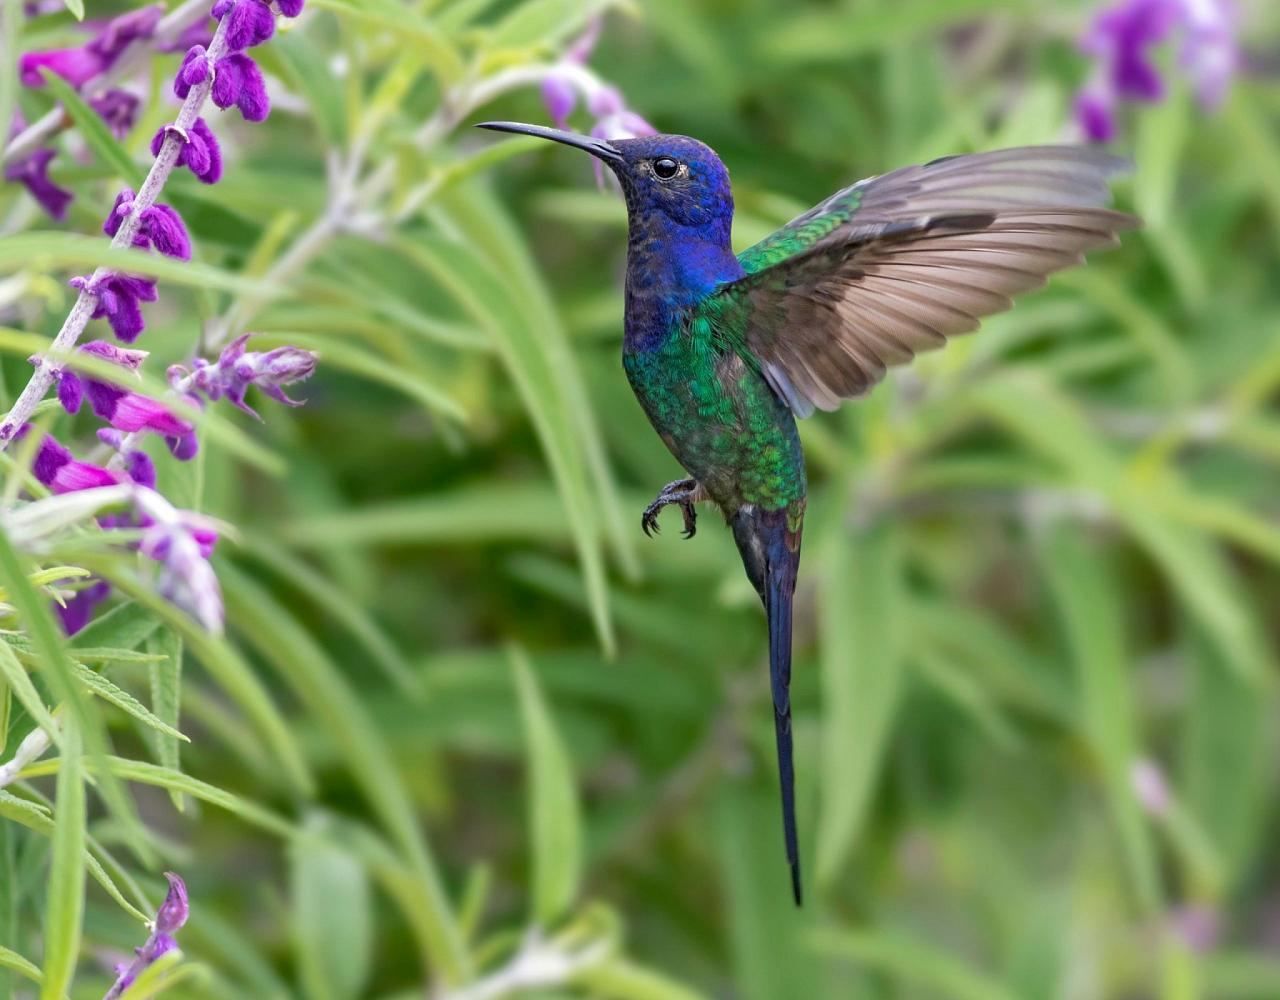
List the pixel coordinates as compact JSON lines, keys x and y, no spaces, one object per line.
{"x":665,"y":167}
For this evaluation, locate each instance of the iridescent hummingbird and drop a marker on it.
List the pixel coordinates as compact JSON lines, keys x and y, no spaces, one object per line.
{"x":724,"y":351}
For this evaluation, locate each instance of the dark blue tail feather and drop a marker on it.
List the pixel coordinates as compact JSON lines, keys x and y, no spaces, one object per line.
{"x":769,"y":542}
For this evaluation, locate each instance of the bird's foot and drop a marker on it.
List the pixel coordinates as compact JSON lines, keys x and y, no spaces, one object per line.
{"x":685,"y":492}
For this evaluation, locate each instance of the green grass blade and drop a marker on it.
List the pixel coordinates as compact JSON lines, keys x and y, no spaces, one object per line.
{"x":555,"y":822}
{"x":64,"y":900}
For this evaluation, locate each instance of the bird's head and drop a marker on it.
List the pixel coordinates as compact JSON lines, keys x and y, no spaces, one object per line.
{"x":673,"y":176}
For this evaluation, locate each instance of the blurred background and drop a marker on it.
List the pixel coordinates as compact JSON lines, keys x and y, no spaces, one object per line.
{"x":508,"y":746}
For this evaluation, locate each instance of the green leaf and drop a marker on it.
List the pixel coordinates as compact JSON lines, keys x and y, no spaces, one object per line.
{"x":332,"y":916}
{"x":555,"y":823}
{"x":166,"y":697}
{"x":10,"y":959}
{"x":436,"y":48}
{"x":76,"y":7}
{"x":1091,"y":607}
{"x":622,"y":979}
{"x":64,"y":898}
{"x":478,"y":291}
{"x":223,"y":662}
{"x":60,"y":672}
{"x":863,"y":666}
{"x":94,"y":130}
{"x":15,"y":675}
{"x":123,"y":700}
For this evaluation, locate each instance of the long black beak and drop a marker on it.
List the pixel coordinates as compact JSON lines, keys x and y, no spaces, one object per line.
{"x":596,"y":147}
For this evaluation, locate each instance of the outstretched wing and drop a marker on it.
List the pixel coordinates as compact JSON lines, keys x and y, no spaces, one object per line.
{"x":897,"y":263}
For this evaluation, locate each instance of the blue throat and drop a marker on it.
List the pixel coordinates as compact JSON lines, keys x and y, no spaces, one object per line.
{"x":669,"y":268}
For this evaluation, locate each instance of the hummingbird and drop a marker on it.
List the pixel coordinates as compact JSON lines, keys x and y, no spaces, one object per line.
{"x":725,"y":351}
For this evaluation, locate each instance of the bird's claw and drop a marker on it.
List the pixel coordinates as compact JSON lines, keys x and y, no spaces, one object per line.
{"x":681,"y":493}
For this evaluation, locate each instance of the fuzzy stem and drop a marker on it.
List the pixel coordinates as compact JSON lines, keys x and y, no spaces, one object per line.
{"x":169,"y":30}
{"x":46,"y":372}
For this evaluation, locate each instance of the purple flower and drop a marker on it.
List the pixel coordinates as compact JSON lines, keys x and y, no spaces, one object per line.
{"x":81,"y":64}
{"x":200,"y":151}
{"x":181,"y":542}
{"x":236,"y":369}
{"x":122,"y":409}
{"x":249,"y":22}
{"x":160,"y":226}
{"x":77,"y":612}
{"x":238,"y":81}
{"x":193,"y":71}
{"x":1123,"y":38}
{"x":560,"y":96}
{"x":174,"y":910}
{"x":33,"y":172}
{"x":119,"y":301}
{"x":119,"y":109}
{"x":58,"y":469}
{"x":170,"y":918}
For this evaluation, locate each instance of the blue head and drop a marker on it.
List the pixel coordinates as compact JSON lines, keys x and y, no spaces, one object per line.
{"x":679,"y":204}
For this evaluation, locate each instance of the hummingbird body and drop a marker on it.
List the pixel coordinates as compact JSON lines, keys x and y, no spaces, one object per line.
{"x":724,"y":351}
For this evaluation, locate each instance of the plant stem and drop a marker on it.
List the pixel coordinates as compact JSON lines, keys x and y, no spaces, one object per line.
{"x":47,"y":372}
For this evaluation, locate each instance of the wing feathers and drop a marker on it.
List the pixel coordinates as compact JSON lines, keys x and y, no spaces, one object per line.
{"x":914,"y":256}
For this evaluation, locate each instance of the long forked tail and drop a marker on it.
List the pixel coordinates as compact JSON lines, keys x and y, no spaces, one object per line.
{"x":769,"y":542}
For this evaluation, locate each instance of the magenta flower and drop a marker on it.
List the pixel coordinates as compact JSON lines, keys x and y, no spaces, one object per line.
{"x":1123,"y":39}
{"x":33,"y":172}
{"x":83,"y":63}
{"x":57,"y":468}
{"x":122,"y":409}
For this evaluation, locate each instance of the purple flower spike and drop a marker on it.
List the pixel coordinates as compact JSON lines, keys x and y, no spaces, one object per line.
{"x":57,"y":468}
{"x":249,"y":23}
{"x":194,"y":71}
{"x":167,"y":231}
{"x":78,"y":611}
{"x":290,"y":8}
{"x":33,"y":172}
{"x":238,"y":81}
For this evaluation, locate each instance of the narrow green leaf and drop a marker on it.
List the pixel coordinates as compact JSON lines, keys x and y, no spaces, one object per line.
{"x":64,"y":898}
{"x":1091,"y":607}
{"x":10,"y":959}
{"x":94,"y":130}
{"x":555,"y":823}
{"x":76,"y":7}
{"x":60,"y":672}
{"x":166,"y":698}
{"x":625,"y":980}
{"x":332,"y":917}
{"x":861,"y":607}
{"x":15,"y":675}
{"x":123,"y":700}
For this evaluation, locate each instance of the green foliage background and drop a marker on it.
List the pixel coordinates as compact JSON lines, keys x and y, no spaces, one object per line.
{"x":465,"y":712}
